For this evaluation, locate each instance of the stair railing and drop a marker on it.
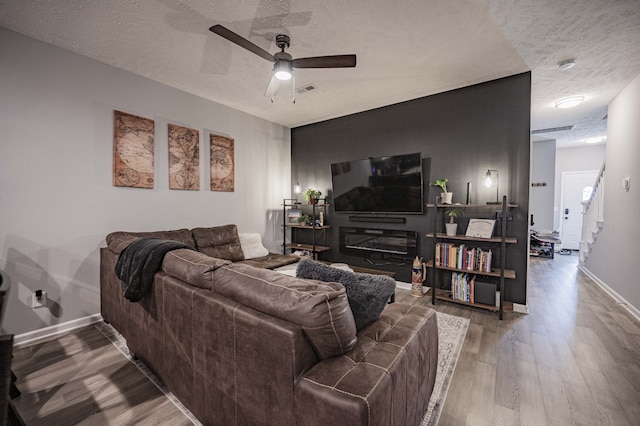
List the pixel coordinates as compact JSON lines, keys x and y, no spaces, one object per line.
{"x":593,"y":215}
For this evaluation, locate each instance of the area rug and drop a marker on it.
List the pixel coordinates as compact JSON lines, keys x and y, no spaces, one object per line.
{"x":451,"y":333}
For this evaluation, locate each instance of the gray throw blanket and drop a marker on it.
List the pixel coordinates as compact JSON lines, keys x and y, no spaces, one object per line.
{"x":139,"y":262}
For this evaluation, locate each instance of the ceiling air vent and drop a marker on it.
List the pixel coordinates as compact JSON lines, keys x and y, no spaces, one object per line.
{"x":306,"y":88}
{"x":553,"y":129}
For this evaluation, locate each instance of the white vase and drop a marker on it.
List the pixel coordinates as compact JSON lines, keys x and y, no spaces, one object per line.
{"x":451,"y":229}
{"x":446,"y":197}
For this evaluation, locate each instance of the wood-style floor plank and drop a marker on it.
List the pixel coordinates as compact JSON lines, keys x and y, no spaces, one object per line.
{"x":81,"y":378}
{"x":573,"y":360}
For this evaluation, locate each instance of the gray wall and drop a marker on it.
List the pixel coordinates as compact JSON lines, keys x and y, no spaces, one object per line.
{"x":57,"y":201}
{"x":460,"y":134}
{"x":614,"y":256}
{"x":543,"y":164}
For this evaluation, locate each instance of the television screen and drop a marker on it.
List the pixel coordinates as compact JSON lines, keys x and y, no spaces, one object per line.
{"x":378,"y":185}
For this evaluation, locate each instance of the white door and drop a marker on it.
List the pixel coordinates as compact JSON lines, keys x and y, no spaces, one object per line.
{"x":576,"y":186}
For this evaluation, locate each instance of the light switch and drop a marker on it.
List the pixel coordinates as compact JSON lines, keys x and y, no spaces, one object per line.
{"x":626,"y":183}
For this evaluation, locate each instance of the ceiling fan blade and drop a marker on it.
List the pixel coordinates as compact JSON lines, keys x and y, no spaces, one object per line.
{"x":336,"y":61}
{"x":241,"y":41}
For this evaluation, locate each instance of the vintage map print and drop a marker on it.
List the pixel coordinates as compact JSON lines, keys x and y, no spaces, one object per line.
{"x":133,"y":139}
{"x":222,"y":163}
{"x":184,"y":158}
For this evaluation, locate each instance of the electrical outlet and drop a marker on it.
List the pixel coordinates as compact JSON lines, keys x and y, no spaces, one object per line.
{"x":39,"y":299}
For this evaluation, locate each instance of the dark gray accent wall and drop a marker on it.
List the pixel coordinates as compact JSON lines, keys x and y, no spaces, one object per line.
{"x":460,"y":133}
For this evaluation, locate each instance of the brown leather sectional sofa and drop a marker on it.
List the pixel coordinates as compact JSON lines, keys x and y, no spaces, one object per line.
{"x":240,"y":345}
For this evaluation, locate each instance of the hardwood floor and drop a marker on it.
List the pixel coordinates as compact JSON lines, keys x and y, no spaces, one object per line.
{"x":574,"y":359}
{"x":82,"y":379}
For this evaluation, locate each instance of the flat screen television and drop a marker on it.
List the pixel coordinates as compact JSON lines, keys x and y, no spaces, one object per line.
{"x":390,"y":184}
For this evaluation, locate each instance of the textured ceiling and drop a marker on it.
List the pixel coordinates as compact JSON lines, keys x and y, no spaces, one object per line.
{"x":406,"y":49}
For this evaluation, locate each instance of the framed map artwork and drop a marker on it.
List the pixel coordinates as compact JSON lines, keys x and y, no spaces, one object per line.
{"x":222,"y":163}
{"x":133,"y":139}
{"x":184,"y":158}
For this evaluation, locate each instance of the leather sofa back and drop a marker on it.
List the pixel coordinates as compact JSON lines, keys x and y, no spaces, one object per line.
{"x":222,"y":242}
{"x":117,"y":241}
{"x":320,"y":309}
{"x":192,"y":267}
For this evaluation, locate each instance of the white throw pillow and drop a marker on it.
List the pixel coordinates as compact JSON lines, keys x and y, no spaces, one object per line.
{"x":252,"y":246}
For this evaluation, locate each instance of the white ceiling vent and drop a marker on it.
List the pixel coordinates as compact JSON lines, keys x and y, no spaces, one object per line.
{"x":553,"y":129}
{"x":306,"y":88}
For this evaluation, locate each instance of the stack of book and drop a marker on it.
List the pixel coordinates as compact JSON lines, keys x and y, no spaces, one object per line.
{"x":463,"y":257}
{"x":463,"y":287}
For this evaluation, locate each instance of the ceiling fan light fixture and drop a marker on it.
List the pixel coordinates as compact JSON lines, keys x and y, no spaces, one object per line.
{"x":283,"y":62}
{"x":570,"y":102}
{"x":283,"y":70}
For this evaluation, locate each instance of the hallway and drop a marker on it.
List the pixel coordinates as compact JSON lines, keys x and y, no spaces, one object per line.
{"x":574,"y":359}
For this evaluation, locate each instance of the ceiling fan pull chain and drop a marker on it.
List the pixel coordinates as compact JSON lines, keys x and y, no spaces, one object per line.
{"x":271,"y":89}
{"x":293,"y":87}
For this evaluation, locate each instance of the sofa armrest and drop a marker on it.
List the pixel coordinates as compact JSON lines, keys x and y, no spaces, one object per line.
{"x":387,"y":378}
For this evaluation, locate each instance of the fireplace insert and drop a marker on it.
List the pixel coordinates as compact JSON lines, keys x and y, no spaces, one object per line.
{"x":357,"y":241}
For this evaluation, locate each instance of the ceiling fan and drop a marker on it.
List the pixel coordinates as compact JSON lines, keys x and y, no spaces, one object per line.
{"x":283,"y":62}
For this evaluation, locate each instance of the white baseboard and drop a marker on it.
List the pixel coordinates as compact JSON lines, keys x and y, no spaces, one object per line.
{"x":611,"y":292}
{"x":36,"y":336}
{"x":403,"y":285}
{"x":521,"y":309}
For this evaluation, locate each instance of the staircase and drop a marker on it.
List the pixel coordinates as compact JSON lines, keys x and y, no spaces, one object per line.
{"x":593,"y":217}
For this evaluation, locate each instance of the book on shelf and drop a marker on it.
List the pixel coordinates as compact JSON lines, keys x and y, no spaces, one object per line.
{"x":463,"y":287}
{"x":463,"y":257}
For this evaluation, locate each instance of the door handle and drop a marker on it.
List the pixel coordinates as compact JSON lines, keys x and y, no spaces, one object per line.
{"x":566,"y":211}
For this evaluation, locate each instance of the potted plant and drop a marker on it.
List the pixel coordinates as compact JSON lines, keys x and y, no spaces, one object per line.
{"x":305,"y":219}
{"x":312,"y":195}
{"x":451,"y":226}
{"x":442,"y":184}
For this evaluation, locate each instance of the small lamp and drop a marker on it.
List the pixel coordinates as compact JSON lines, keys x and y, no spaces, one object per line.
{"x":488,"y":182}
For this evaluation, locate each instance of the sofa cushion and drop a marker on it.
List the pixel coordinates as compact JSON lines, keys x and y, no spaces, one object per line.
{"x":368,"y":294}
{"x":271,"y":261}
{"x":117,"y":241}
{"x":320,"y":309}
{"x":219,"y":241}
{"x":192,"y":267}
{"x":251,"y":245}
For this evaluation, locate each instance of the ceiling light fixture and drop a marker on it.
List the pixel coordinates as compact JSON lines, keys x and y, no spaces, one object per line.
{"x":570,"y":102}
{"x":597,"y":139}
{"x":282,"y":70}
{"x":566,"y":64}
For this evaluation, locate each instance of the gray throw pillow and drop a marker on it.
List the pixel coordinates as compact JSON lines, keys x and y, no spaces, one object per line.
{"x":368,"y":294}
